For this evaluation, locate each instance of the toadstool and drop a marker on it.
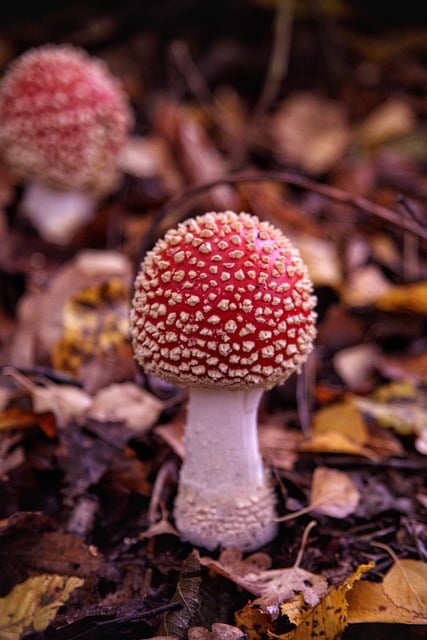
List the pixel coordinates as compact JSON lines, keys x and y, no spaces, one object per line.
{"x":63,"y":122}
{"x":223,"y":304}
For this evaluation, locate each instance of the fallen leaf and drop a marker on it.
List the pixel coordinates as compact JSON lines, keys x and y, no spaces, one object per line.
{"x":327,"y":619}
{"x":150,"y":157}
{"x":272,"y":586}
{"x":409,"y":298}
{"x":364,"y":286}
{"x":305,"y":121}
{"x":391,"y":119}
{"x":188,"y":595}
{"x":33,"y":604}
{"x":400,"y":406}
{"x":335,"y":442}
{"x":253,"y":622}
{"x":333,"y":493}
{"x":401,"y":598}
{"x":344,"y":418}
{"x":66,"y":402}
{"x":339,"y":428}
{"x":126,"y":402}
{"x":405,"y":583}
{"x":82,"y":311}
{"x":355,"y":366}
{"x":322,"y":260}
{"x":369,"y":604}
{"x":220,"y":631}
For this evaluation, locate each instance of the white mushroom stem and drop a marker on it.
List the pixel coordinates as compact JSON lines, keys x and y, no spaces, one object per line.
{"x":56,"y":215}
{"x":224,"y":498}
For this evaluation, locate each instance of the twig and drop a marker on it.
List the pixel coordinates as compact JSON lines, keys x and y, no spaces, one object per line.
{"x":304,"y":539}
{"x":193,"y":77}
{"x":279,"y":59}
{"x":410,"y":262}
{"x":286,"y":177}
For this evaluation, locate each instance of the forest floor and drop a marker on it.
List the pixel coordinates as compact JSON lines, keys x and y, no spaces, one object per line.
{"x":313,"y":119}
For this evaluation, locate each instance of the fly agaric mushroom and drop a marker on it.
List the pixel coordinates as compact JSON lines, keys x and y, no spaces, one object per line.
{"x":63,"y":122}
{"x":223,"y":304}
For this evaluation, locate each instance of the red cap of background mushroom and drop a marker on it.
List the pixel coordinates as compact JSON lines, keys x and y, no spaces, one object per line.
{"x":63,"y":119}
{"x":224,"y":305}
{"x":63,"y":122}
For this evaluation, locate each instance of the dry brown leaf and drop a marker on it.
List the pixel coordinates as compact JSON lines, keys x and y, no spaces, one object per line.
{"x":272,"y":586}
{"x":304,"y":122}
{"x":33,"y":604}
{"x":364,"y":286}
{"x":355,"y":366}
{"x":391,"y":119}
{"x":322,"y":260}
{"x":148,"y":157}
{"x":333,"y":493}
{"x":220,"y":631}
{"x":126,"y":402}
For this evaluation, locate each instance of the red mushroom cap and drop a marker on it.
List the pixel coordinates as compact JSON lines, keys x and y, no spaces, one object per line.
{"x":63,"y":119}
{"x":226,"y":300}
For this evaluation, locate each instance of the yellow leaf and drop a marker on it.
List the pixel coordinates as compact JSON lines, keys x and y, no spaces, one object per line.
{"x":253,"y":622}
{"x":344,"y":418}
{"x":406,"y":585}
{"x":33,"y":604}
{"x":410,"y":297}
{"x":398,"y":405}
{"x":338,"y":428}
{"x":368,"y":603}
{"x":327,"y":619}
{"x":335,"y":442}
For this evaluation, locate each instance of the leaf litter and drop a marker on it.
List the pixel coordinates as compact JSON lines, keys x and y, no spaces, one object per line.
{"x":90,"y":447}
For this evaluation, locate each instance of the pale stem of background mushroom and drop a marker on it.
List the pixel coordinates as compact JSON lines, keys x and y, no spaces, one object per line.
{"x":224,"y":498}
{"x":56,"y":214}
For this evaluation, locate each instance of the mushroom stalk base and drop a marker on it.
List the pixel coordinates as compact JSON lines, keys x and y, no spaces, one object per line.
{"x":56,"y":215}
{"x":224,"y":498}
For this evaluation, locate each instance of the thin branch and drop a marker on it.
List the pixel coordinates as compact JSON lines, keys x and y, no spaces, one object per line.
{"x":286,"y":177}
{"x":279,"y":59}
